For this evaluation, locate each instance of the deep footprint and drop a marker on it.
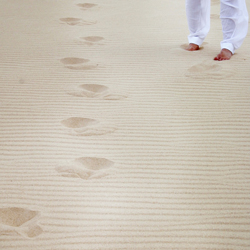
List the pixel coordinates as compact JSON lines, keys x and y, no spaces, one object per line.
{"x":86,"y":168}
{"x":86,"y":127}
{"x":185,"y":45}
{"x":22,"y":221}
{"x":75,"y":21}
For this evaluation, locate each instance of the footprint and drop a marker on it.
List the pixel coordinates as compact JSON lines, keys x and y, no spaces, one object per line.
{"x":208,"y":70}
{"x":91,"y":40}
{"x":76,"y":21}
{"x":185,"y":45}
{"x":86,"y":6}
{"x":182,"y":49}
{"x":77,"y":63}
{"x":96,"y":91}
{"x":87,"y":168}
{"x":23,"y":221}
{"x":86,"y":127}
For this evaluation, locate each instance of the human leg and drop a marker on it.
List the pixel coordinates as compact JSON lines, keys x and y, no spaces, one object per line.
{"x":198,"y":16}
{"x":234,"y":19}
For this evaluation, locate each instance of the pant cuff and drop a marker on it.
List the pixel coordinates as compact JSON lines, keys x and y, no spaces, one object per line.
{"x":195,"y":40}
{"x":228,"y":46}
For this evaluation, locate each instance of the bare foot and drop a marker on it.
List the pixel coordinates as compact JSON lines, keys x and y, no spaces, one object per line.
{"x":225,"y":54}
{"x":192,"y":47}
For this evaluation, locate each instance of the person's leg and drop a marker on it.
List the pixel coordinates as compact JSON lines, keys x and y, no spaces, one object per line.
{"x":234,"y":19}
{"x":198,"y":16}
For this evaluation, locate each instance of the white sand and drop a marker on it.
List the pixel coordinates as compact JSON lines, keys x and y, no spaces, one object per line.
{"x":113,"y":137}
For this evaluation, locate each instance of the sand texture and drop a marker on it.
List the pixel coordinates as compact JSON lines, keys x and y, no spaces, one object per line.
{"x":113,"y":137}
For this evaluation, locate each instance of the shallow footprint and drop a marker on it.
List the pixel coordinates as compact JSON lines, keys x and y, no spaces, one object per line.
{"x":86,"y":127}
{"x":86,"y":6}
{"x":87,"y":168}
{"x":77,"y":63}
{"x":76,"y":21}
{"x":96,"y":91}
{"x":208,"y":70}
{"x":23,"y":221}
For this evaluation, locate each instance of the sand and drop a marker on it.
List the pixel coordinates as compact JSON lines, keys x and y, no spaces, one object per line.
{"x":113,"y":137}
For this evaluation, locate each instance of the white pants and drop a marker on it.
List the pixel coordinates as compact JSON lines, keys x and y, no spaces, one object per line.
{"x":234,"y":19}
